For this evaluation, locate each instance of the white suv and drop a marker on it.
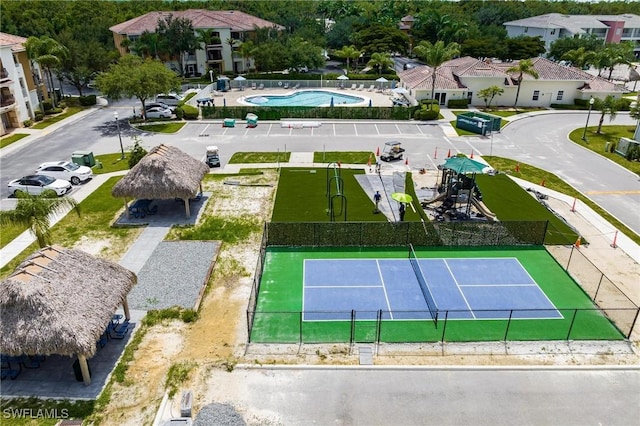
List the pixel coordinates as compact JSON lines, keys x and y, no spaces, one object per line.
{"x":65,"y":170}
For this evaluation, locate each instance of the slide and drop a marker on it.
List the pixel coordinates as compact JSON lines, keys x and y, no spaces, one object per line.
{"x":438,"y":198}
{"x":483,"y":209}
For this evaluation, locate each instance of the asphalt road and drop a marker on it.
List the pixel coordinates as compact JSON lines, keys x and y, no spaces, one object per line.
{"x":449,"y":396}
{"x":539,"y":140}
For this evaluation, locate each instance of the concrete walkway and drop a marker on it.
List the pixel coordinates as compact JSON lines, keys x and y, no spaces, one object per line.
{"x":141,"y":250}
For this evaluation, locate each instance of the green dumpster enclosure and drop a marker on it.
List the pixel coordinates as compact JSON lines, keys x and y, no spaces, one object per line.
{"x":83,"y":158}
{"x":479,"y":123}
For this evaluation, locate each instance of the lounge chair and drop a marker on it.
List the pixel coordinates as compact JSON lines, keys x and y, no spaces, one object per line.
{"x":354,"y":86}
{"x":286,"y":85}
{"x":370,"y":89}
{"x":253,"y":86}
{"x":261,"y":87}
{"x":361,"y":87}
{"x":297,"y":86}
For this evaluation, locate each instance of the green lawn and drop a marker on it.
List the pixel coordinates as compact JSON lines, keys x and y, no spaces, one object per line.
{"x":280,"y":303}
{"x":344,"y":157}
{"x":551,"y":181}
{"x":6,"y":141}
{"x":110,"y":163}
{"x":259,"y":157}
{"x":597,"y":143}
{"x":52,"y":120}
{"x":162,"y":127}
{"x":509,"y":202}
{"x":302,"y":196}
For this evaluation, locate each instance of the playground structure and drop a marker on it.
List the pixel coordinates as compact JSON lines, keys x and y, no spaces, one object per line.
{"x":458,"y":193}
{"x":336,"y":200}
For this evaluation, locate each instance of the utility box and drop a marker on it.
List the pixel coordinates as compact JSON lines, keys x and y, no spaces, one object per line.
{"x":229,"y":122}
{"x":83,"y":158}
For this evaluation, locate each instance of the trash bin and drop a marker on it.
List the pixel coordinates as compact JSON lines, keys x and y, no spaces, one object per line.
{"x":78,"y":372}
{"x":229,"y":122}
{"x":83,"y":158}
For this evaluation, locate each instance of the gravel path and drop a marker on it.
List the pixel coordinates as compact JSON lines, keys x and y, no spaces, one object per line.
{"x":174,"y":275}
{"x":218,"y":415}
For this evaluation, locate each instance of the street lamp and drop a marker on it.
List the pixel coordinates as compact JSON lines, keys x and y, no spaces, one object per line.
{"x":491,"y":146}
{"x":115,"y":115}
{"x":211,"y":75}
{"x":584,"y":134}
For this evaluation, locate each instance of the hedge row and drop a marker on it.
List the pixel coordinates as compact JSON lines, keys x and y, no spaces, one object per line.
{"x":278,"y":113}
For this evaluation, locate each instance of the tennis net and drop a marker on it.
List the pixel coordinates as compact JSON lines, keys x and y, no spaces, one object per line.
{"x":428,"y":297}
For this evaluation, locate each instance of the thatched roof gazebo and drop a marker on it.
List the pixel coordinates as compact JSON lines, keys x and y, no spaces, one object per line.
{"x":164,"y":173}
{"x":59,"y":301}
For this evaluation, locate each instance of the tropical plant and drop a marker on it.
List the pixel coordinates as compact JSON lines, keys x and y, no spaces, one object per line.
{"x":579,"y":57}
{"x":380,"y":61}
{"x":35,"y":212}
{"x":246,"y":50}
{"x":135,"y":77}
{"x":609,"y":106}
{"x":489,"y":93}
{"x":435,"y":55}
{"x":179,"y":37}
{"x":523,"y":67}
{"x":348,"y":53}
{"x":148,"y":45}
{"x":47,"y":53}
{"x":137,"y":152}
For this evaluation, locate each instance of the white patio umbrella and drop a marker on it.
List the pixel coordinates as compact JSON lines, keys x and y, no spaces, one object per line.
{"x":343,"y":77}
{"x":382,"y":80}
{"x":240,"y":79}
{"x":400,"y":90}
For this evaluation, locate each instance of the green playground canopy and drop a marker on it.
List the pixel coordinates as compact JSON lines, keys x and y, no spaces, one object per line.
{"x":464,"y":165}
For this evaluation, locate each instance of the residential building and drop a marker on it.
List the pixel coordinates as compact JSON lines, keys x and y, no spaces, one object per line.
{"x":229,"y":27}
{"x":463,"y":77}
{"x":552,"y":26}
{"x":21,"y":86}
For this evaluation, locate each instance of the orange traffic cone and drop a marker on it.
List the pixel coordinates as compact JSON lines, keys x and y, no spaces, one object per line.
{"x":449,"y":154}
{"x":471,"y":153}
{"x":542,"y":183}
{"x":577,"y":243}
{"x":518,"y":167}
{"x":339,"y":164}
{"x":406,"y":161}
{"x":378,"y":152}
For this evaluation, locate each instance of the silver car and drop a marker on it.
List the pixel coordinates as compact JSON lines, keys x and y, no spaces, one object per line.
{"x":37,"y":184}
{"x":159,"y":112}
{"x":65,"y":170}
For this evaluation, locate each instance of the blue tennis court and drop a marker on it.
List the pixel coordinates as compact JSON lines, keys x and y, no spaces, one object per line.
{"x":422,"y":289}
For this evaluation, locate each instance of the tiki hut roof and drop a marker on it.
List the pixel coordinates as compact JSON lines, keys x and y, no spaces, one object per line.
{"x":164,"y":173}
{"x":59,"y":301}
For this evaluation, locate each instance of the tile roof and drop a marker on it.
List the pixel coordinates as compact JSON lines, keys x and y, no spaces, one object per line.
{"x":16,"y":42}
{"x":450,"y":73}
{"x":575,"y":23}
{"x":201,"y":19}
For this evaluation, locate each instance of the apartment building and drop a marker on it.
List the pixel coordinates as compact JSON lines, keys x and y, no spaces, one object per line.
{"x":552,"y":26}
{"x":229,"y":27}
{"x":20,"y":84}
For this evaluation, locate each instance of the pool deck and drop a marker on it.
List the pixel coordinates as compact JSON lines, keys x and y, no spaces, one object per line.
{"x":234,"y":96}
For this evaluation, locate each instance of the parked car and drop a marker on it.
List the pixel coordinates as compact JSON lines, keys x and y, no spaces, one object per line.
{"x":171,"y":99}
{"x":65,"y":170}
{"x":150,"y":105}
{"x":159,"y":112}
{"x":37,"y":184}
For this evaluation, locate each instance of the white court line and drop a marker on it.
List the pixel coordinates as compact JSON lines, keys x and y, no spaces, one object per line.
{"x":459,"y":289}
{"x":384,"y":289}
{"x":498,"y":285}
{"x":344,"y":286}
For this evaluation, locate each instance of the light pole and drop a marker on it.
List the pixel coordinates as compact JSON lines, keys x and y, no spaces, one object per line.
{"x":115,"y":115}
{"x":211,"y":75}
{"x":491,"y":146}
{"x":584,"y":134}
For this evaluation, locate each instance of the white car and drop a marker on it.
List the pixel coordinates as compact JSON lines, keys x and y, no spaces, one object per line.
{"x":159,"y":112}
{"x":37,"y":184}
{"x":65,"y":170}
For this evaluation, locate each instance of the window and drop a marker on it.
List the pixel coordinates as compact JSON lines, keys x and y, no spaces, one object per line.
{"x":553,"y":31}
{"x":560,"y":95}
{"x":536,"y":95}
{"x":526,"y":29}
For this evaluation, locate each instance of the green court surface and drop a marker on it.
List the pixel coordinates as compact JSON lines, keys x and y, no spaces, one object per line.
{"x":278,"y":318}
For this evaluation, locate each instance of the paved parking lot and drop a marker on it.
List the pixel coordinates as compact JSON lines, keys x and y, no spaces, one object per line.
{"x":326,"y":129}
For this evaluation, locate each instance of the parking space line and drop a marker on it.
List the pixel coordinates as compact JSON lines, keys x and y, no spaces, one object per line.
{"x":377,"y":130}
{"x":269,"y":131}
{"x":420,"y":130}
{"x":355,"y":128}
{"x":204,"y":131}
{"x":398,"y":129}
{"x":334,"y":129}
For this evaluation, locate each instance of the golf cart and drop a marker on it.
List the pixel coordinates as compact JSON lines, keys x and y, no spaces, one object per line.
{"x":392,"y":151}
{"x":213,"y":159}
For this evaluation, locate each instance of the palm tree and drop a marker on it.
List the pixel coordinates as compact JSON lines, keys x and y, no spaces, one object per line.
{"x":523,"y":67}
{"x":348,"y":53}
{"x":380,"y":61}
{"x":48,"y":53}
{"x":246,"y":51}
{"x":609,"y":106}
{"x":35,"y":212}
{"x":435,"y":55}
{"x":579,"y":57}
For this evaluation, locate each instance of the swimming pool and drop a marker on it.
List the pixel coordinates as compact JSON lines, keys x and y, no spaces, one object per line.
{"x":306,"y":98}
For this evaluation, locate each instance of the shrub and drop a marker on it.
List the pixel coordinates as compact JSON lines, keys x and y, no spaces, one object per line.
{"x":581,"y":102}
{"x":426,"y":114}
{"x":87,"y":100}
{"x":633,"y":154}
{"x":190,"y":112}
{"x":136,"y":153}
{"x":458,"y":103}
{"x":53,"y":111}
{"x":38,"y":115}
{"x":613,"y":146}
{"x":624,"y":104}
{"x":27,"y":123}
{"x":179,"y":113}
{"x":72,"y":101}
{"x":47,"y":105}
